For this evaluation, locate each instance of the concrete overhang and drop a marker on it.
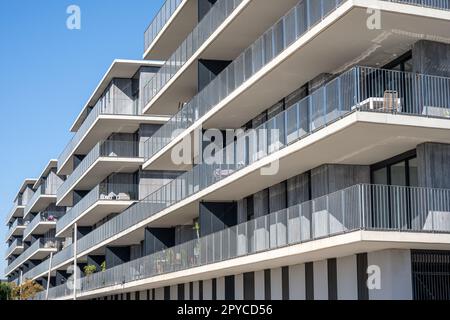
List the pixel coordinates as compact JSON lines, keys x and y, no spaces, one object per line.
{"x":97,"y":172}
{"x":96,"y":212}
{"x":331,"y":247}
{"x":175,"y":30}
{"x":323,"y":49}
{"x":102,"y":128}
{"x":119,"y":69}
{"x":51,"y":165}
{"x":233,"y":36}
{"x":361,"y":138}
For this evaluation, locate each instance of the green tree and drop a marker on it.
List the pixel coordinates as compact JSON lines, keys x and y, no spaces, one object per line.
{"x":5,"y":291}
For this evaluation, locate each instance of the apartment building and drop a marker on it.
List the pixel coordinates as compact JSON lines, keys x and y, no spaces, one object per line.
{"x":260,"y":150}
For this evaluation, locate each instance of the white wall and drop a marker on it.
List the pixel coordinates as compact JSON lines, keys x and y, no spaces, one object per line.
{"x":297,"y":282}
{"x":396,"y":277}
{"x":276,"y":284}
{"x":347,"y":284}
{"x":259,"y":285}
{"x":321,"y":280}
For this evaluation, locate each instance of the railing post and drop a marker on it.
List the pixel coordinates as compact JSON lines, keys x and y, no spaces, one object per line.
{"x":362,"y":209}
{"x":49,"y":275}
{"x":75,"y":273}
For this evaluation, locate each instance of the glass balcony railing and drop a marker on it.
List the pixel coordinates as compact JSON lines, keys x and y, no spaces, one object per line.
{"x":103,"y":149}
{"x":297,"y":22}
{"x":102,"y":192}
{"x":18,"y":222}
{"x":159,"y":21}
{"x":221,"y":10}
{"x":113,"y":106}
{"x":43,"y":243}
{"x":360,"y":207}
{"x":14,"y":245}
{"x":360,"y":88}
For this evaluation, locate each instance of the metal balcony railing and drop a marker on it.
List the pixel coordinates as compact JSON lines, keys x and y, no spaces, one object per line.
{"x":46,"y":216}
{"x":103,"y":149}
{"x":298,"y":21}
{"x":18,"y":222}
{"x":113,"y":106}
{"x":14,"y":245}
{"x":357,"y":89}
{"x":40,"y":269}
{"x":221,"y":10}
{"x":43,"y":243}
{"x":360,"y":207}
{"x":43,"y":189}
{"x":16,"y":206}
{"x":105,"y":192}
{"x":159,"y":21}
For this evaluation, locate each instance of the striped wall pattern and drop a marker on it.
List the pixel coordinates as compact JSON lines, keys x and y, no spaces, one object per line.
{"x":341,"y":278}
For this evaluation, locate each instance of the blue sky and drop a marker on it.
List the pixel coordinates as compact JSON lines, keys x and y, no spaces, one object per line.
{"x":48,"y":72}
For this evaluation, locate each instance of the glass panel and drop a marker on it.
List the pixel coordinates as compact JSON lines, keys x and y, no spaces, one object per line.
{"x":380,"y":176}
{"x":398,"y":174}
{"x":413,"y":173}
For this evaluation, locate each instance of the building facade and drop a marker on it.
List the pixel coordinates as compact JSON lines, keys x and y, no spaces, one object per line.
{"x":259,"y":151}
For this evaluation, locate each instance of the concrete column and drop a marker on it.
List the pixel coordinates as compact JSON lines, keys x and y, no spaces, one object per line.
{"x":430,"y":57}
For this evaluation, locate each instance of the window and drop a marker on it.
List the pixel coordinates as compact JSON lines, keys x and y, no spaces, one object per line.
{"x":398,"y":171}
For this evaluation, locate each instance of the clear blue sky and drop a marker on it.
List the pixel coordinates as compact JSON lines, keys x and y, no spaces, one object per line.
{"x":48,"y":72}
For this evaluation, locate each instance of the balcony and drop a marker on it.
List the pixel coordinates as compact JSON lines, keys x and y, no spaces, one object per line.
{"x":370,"y":216}
{"x":16,"y":211}
{"x":291,"y":44}
{"x":16,"y":228}
{"x":42,"y":198}
{"x":39,"y":250}
{"x":15,"y":248}
{"x":101,"y":201}
{"x":221,"y":35}
{"x":42,"y":223}
{"x":169,"y":28}
{"x":114,"y":116}
{"x":301,"y":138}
{"x":105,"y":158}
{"x":38,"y":271}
